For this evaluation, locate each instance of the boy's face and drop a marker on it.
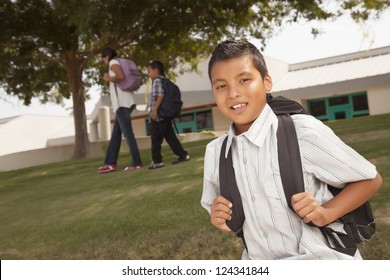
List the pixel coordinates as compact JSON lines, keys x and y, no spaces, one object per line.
{"x":239,"y":90}
{"x":153,"y":73}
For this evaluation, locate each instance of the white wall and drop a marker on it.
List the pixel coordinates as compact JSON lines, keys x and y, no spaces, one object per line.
{"x":65,"y":152}
{"x":32,"y":132}
{"x":379,"y":100}
{"x":276,"y":68}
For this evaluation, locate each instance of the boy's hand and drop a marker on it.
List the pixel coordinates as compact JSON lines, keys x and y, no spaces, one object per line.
{"x":220,"y":213}
{"x":153,"y":116}
{"x":306,"y":206}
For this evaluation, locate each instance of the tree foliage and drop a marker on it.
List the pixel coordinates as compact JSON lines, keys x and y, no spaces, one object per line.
{"x":50,"y":48}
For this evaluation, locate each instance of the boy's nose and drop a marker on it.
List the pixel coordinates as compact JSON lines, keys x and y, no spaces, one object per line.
{"x":234,"y":92}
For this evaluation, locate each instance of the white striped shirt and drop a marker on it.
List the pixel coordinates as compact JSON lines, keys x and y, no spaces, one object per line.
{"x":271,"y":229}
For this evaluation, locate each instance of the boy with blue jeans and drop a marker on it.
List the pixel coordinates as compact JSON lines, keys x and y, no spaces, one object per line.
{"x":240,"y":81}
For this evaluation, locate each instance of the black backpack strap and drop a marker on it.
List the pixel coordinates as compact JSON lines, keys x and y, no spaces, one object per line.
{"x":229,"y":190}
{"x":116,"y":92}
{"x":339,"y":241}
{"x":290,"y":164}
{"x":175,"y":126}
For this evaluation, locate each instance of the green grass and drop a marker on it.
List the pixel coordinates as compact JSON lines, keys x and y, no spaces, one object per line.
{"x":69,"y":211}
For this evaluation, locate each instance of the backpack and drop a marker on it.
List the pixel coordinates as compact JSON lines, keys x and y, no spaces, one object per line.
{"x":359,"y":224}
{"x":133,"y":78}
{"x":171,"y":105}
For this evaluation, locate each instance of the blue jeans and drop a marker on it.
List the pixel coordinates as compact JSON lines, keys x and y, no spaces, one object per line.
{"x":122,"y":125}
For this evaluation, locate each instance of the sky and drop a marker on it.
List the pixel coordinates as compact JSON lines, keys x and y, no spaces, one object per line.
{"x":294,"y":43}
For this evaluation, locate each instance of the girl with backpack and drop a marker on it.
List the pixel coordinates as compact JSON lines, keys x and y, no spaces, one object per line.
{"x":123,"y":105}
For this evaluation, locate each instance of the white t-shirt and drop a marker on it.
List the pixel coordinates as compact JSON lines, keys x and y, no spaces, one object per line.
{"x":119,"y":98}
{"x":271,"y":229}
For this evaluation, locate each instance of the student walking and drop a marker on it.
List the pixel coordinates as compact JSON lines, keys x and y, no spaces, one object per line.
{"x":161,"y":128}
{"x":123,"y":105}
{"x":240,"y":81}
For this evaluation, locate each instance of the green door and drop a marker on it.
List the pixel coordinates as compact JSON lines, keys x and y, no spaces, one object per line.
{"x":340,"y":112}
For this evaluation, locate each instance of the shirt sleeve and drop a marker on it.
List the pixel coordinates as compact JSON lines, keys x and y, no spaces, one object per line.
{"x":112,"y":62}
{"x":211,"y":177}
{"x":157,"y":89}
{"x":327,"y":157}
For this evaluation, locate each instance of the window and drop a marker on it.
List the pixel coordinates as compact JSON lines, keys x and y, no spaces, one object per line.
{"x":339,"y":100}
{"x":186,"y":118}
{"x":360,"y":102}
{"x":203,"y":120}
{"x":318,"y":108}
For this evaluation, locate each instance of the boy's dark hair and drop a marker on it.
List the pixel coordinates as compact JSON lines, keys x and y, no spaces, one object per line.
{"x":110,"y":52}
{"x":155,"y":64}
{"x":232,"y":49}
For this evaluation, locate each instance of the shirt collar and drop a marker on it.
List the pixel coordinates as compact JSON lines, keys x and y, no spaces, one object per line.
{"x":258,"y":130}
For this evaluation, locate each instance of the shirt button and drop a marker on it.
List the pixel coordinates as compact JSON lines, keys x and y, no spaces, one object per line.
{"x":253,"y":198}
{"x":244,"y":160}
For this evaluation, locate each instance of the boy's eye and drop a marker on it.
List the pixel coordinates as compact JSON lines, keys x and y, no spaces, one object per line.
{"x":244,"y":80}
{"x":221,"y":86}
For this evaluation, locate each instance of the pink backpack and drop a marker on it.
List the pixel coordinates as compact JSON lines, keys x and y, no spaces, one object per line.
{"x":133,"y":79}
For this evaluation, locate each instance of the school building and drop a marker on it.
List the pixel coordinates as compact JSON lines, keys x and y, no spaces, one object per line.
{"x":339,"y":87}
{"x":344,"y":86}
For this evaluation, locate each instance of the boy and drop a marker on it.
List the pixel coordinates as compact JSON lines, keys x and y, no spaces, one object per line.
{"x":240,"y":80}
{"x":161,"y":128}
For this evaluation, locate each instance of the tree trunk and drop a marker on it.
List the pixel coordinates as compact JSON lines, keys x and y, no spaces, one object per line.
{"x":81,"y":147}
{"x":74,"y":72}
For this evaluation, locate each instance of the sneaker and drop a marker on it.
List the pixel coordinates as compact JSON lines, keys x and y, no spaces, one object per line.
{"x":154,"y":165}
{"x":132,"y":167}
{"x":106,"y":168}
{"x":179,"y":160}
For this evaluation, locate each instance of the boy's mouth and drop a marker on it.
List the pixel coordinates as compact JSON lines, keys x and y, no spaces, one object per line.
{"x":239,"y":106}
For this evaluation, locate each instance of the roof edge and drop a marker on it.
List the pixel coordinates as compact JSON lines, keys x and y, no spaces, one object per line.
{"x":339,"y":58}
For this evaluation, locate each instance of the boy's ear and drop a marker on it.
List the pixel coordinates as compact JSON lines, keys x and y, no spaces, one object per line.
{"x":268,"y":83}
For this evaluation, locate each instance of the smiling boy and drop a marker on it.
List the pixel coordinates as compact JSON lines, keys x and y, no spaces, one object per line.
{"x":240,"y":81}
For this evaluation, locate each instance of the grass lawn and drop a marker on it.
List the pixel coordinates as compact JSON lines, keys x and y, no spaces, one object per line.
{"x":69,"y":211}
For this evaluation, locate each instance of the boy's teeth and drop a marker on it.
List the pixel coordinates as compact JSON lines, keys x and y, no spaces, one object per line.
{"x":238,"y":106}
